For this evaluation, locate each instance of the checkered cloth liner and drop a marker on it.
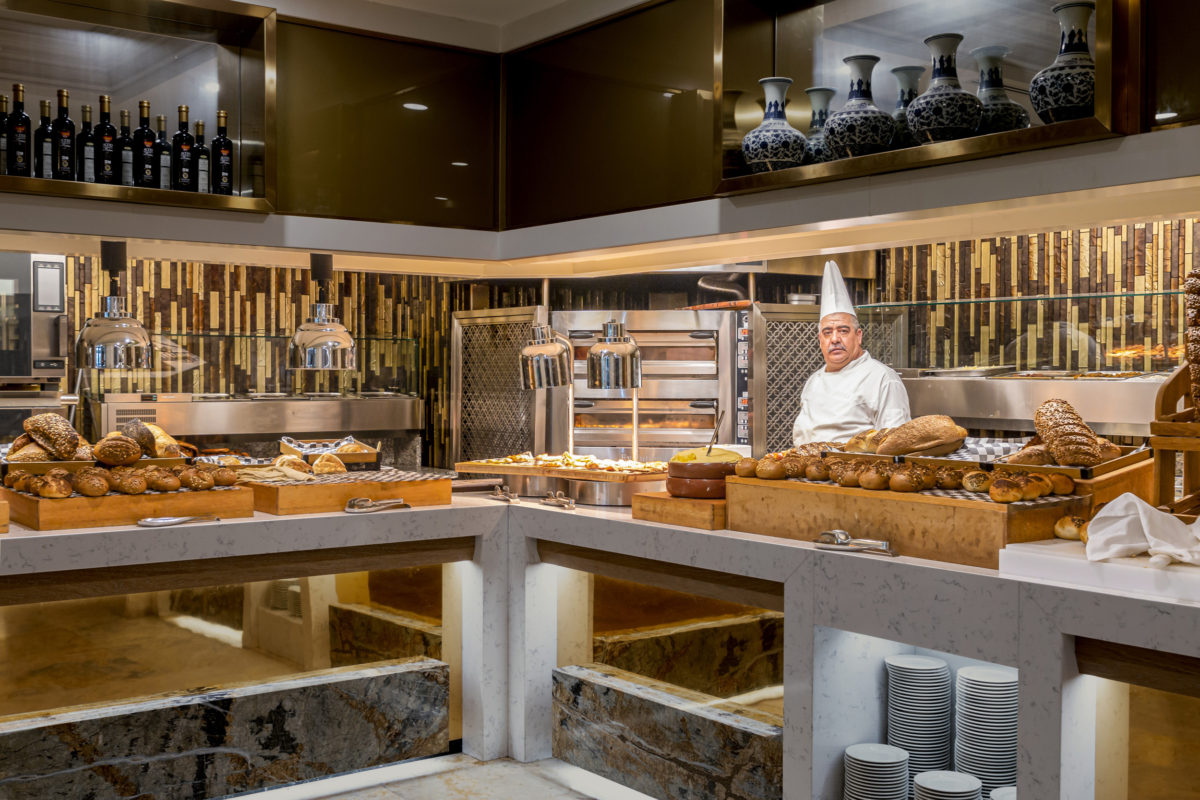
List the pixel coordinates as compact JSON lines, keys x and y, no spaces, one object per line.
{"x":976,"y":448}
{"x":385,"y":475}
{"x":963,"y":494}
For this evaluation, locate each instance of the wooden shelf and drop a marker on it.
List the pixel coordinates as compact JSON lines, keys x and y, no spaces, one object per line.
{"x":133,"y":194}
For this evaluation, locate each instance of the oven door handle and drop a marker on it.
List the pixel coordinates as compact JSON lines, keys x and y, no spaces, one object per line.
{"x":581,"y":335}
{"x":62,"y":327}
{"x":702,"y":335}
{"x":703,"y":404}
{"x":585,"y":404}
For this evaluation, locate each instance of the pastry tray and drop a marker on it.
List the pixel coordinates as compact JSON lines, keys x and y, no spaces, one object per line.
{"x":1129,"y":456}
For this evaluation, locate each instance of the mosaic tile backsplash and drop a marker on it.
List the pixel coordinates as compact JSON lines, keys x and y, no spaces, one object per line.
{"x":1092,"y":298}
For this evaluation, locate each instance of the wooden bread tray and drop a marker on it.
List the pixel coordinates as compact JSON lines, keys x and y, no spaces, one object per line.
{"x":924,"y":525}
{"x":708,"y":515}
{"x":1129,"y":455}
{"x":569,"y":473}
{"x":75,"y":512}
{"x":368,"y":458}
{"x":3,"y":516}
{"x":330,"y":493}
{"x":42,"y":467}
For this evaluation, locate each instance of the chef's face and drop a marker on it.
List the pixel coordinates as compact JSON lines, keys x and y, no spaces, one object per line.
{"x":841,"y":340}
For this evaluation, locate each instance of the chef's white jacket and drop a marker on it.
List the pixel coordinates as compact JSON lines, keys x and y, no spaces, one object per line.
{"x":862,"y":395}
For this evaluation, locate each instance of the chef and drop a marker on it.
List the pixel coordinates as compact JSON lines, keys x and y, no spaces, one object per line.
{"x":853,"y":392}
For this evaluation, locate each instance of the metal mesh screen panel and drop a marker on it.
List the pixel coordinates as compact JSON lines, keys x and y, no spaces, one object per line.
{"x":495,"y":413}
{"x":792,"y":355}
{"x":882,"y":339}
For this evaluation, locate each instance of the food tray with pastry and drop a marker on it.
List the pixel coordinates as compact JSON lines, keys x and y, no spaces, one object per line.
{"x":94,"y":496}
{"x":49,"y":442}
{"x":567,"y":465}
{"x":290,"y":485}
{"x":354,"y":454}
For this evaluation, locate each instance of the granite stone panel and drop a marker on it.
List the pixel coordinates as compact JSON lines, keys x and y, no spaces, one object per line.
{"x":667,"y":742}
{"x":722,"y":657}
{"x":227,"y":741}
{"x":360,"y":635}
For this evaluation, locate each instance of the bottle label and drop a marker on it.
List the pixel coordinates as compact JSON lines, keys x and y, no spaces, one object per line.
{"x":107,"y":151}
{"x":164,"y":171}
{"x":127,"y":170}
{"x":47,"y":160}
{"x":202,"y":175}
{"x":3,"y":155}
{"x":225,"y":168}
{"x":89,"y":167}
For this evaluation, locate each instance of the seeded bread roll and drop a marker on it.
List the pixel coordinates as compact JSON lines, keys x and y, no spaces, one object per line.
{"x":89,"y":484}
{"x":1005,"y":490}
{"x":12,"y":476}
{"x":817,"y":470}
{"x":949,"y":478}
{"x":28,"y":453}
{"x":162,"y":481}
{"x":977,"y":481}
{"x":54,"y":434}
{"x":53,"y":487}
{"x":117,"y":451}
{"x":196,"y":480}
{"x":84,"y":453}
{"x":129,"y":483}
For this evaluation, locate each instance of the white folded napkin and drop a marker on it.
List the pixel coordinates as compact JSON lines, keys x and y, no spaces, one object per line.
{"x":1129,"y":526}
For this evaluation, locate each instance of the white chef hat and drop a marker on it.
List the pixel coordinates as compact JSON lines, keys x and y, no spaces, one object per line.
{"x":835,"y":299}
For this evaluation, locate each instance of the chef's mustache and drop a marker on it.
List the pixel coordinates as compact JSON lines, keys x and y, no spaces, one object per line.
{"x":833,"y":347}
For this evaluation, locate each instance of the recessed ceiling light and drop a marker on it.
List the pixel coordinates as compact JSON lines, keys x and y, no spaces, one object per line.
{"x":1163,"y":116}
{"x":459,"y":164}
{"x":668,"y":95}
{"x":416,"y":107}
{"x":439,"y":197}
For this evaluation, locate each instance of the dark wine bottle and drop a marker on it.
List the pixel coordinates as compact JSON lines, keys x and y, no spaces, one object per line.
{"x":145,"y":163}
{"x":183,"y":159}
{"x":85,"y":148}
{"x":62,"y":131}
{"x":43,"y":145}
{"x":107,"y":166}
{"x":162,"y":152}
{"x":19,"y":136}
{"x":222,"y":157}
{"x":3,"y":134}
{"x":125,"y":151}
{"x":202,"y":161}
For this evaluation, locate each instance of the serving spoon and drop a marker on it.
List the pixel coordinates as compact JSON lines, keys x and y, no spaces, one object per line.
{"x":163,"y":522}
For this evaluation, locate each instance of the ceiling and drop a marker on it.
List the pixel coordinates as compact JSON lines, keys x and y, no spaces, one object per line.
{"x":490,"y":12}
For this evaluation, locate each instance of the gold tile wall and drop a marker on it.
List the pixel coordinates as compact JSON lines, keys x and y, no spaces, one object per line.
{"x":226,"y":314}
{"x":1111,"y":265}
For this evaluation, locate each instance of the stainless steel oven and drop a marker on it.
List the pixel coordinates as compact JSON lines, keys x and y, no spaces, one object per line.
{"x":34,"y":328}
{"x":687,"y":380}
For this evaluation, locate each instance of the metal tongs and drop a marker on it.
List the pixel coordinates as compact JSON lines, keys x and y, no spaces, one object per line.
{"x":559,"y":499}
{"x":365,"y":505}
{"x":163,"y":522}
{"x":841,"y":540}
{"x":503,"y":494}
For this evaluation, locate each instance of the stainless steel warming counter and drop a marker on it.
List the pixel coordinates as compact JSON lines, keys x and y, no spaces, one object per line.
{"x":266,"y":415}
{"x":1111,"y":406}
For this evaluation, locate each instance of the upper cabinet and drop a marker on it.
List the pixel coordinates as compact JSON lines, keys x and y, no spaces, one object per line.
{"x":105,"y":99}
{"x":380,"y":129}
{"x":617,"y":116}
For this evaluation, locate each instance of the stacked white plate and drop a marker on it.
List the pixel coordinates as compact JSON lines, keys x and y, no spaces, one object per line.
{"x":1004,"y":793}
{"x":876,"y":772}
{"x":943,"y":785}
{"x":985,"y":741}
{"x":919,"y":710}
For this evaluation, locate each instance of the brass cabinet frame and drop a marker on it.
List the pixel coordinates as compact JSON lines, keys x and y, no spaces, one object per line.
{"x":1118,"y":49}
{"x":246,"y":34}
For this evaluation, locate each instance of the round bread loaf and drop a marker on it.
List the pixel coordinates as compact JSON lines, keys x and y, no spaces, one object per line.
{"x":1071,"y":527}
{"x":745,"y":468}
{"x":771,"y":470}
{"x":117,"y":451}
{"x":130,"y":483}
{"x":1005,"y":490}
{"x":817,"y":470}
{"x":162,"y":481}
{"x":135,"y":429}
{"x":196,"y":480}
{"x":53,"y":487}
{"x":795,"y":466}
{"x":228,"y":477}
{"x":21,"y":483}
{"x":1047,"y":485}
{"x":977,"y":480}
{"x":1030,"y":489}
{"x":1062,"y":484}
{"x":90,"y":484}
{"x":12,"y":476}
{"x":876,"y":476}
{"x":906,"y":479}
{"x":949,"y":478}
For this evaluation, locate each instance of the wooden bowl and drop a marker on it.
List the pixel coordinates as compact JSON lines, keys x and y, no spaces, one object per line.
{"x":695,"y":470}
{"x":697,"y":488}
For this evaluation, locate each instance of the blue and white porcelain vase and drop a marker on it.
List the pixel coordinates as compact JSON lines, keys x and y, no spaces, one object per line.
{"x":1000,"y":113}
{"x":1067,"y":88}
{"x":945,"y":111}
{"x":774,"y":144}
{"x":860,"y":127}
{"x":909,"y":81}
{"x":815,"y":150}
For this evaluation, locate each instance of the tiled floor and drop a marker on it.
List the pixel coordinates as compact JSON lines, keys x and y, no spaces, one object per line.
{"x":460,"y":777}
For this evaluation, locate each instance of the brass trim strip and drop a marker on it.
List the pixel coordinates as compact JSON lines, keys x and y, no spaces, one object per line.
{"x":132,"y":194}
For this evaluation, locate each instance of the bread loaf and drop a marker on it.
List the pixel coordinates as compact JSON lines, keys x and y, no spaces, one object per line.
{"x":931,"y":432}
{"x":329,"y":464}
{"x":136,"y":429}
{"x":165,"y":445}
{"x":1036,"y":455}
{"x":1068,"y":438}
{"x":54,"y":434}
{"x":28,"y":453}
{"x":117,"y":451}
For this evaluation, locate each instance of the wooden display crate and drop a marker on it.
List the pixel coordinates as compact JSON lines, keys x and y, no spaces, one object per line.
{"x":352,"y":461}
{"x":330,"y":493}
{"x":1174,"y":431}
{"x":3,"y":516}
{"x":962,"y":531}
{"x":47,"y":514}
{"x":42,"y":467}
{"x":708,"y":515}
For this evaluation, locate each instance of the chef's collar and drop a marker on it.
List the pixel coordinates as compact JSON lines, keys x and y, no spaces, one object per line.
{"x":849,"y":365}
